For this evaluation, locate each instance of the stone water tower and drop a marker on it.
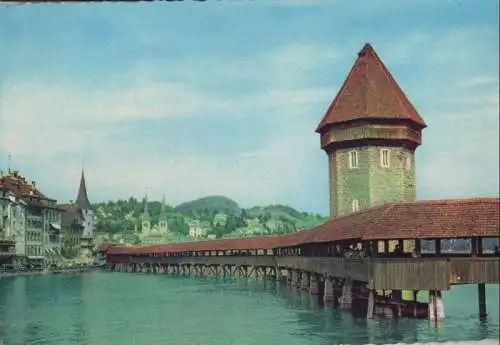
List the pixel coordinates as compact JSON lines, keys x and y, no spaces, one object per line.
{"x":370,"y":133}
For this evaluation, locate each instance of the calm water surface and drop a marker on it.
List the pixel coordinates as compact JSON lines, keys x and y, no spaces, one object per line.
{"x":106,"y":308}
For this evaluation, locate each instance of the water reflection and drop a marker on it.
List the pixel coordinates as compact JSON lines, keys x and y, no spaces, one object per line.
{"x":55,"y":305}
{"x":335,"y":326}
{"x":113,"y":308}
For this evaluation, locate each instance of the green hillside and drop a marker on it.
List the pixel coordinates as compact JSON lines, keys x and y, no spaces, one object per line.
{"x":219,"y":216}
{"x":215,"y":204}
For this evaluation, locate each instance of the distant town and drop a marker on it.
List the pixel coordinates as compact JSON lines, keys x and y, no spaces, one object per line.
{"x":37,"y":231}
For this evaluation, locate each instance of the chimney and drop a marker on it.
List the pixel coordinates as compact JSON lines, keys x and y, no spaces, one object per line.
{"x":34,"y":184}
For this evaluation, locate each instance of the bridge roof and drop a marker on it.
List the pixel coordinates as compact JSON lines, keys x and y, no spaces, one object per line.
{"x":458,"y":218}
{"x":477,"y":217}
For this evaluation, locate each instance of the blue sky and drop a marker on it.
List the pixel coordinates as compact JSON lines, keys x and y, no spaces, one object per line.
{"x":222,"y":97}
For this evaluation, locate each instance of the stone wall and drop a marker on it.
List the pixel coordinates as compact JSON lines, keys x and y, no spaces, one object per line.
{"x":370,"y":183}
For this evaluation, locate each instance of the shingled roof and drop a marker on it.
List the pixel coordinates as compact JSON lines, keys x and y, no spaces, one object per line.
{"x":82,"y":200}
{"x":370,"y":92}
{"x":25,"y":190}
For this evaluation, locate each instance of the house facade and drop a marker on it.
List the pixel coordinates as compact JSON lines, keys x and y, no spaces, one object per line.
{"x":31,"y":219}
{"x":78,"y":225}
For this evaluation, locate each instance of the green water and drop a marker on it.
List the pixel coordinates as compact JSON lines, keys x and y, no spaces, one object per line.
{"x":106,"y":308}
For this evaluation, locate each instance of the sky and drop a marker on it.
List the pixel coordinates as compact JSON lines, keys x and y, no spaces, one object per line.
{"x":223,"y":97}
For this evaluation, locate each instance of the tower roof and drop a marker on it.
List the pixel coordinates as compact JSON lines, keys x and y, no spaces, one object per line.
{"x":370,"y":92}
{"x":145,"y":211}
{"x":163,"y":212}
{"x":82,"y":200}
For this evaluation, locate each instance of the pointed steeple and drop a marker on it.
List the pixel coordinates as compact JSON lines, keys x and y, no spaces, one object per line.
{"x":163,"y":212}
{"x":82,"y":201}
{"x":370,"y":92}
{"x":145,"y":211}
{"x":163,"y":209}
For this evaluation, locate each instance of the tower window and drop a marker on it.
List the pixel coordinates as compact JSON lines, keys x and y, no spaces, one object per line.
{"x":408,"y":162}
{"x":385,"y":158}
{"x":353,"y":159}
{"x":355,"y":205}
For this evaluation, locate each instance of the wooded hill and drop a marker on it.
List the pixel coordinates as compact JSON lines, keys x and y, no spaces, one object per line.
{"x":222,"y":217}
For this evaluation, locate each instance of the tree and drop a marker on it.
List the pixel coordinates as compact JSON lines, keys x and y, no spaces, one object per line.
{"x":178,"y":225}
{"x":231,"y":224}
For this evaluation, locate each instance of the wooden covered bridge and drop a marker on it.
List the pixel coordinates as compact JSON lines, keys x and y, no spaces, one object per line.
{"x":366,"y":261}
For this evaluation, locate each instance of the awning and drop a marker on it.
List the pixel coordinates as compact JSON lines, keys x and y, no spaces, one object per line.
{"x":55,"y":226}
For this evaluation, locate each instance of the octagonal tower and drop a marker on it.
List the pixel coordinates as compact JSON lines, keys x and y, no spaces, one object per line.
{"x":370,"y":133}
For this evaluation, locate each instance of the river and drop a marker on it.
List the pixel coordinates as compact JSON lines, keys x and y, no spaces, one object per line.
{"x":108,"y":308}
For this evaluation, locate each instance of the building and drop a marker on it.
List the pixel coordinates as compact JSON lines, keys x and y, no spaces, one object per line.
{"x":42,"y":220}
{"x":220,"y":219}
{"x":78,"y":224}
{"x":145,"y":219}
{"x":163,"y":219}
{"x":198,"y":229}
{"x":154,"y":234}
{"x":8,"y":227}
{"x":370,"y":133}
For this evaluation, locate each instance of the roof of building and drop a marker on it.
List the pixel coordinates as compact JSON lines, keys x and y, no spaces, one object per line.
{"x":370,"y":92}
{"x":163,"y":211}
{"x":457,"y":218}
{"x":20,"y":187}
{"x":70,"y":212}
{"x":82,"y":200}
{"x":473,"y":217}
{"x":104,"y":246}
{"x":74,"y":210}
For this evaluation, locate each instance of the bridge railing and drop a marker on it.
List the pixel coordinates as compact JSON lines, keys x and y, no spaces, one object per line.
{"x":410,"y":274}
{"x":423,"y":273}
{"x":328,"y":266}
{"x":269,"y":261}
{"x":474,"y":270}
{"x":433,"y":273}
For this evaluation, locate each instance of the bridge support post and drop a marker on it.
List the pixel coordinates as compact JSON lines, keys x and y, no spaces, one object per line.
{"x":436,"y":306}
{"x":329,"y":293}
{"x":304,"y":281}
{"x":346,"y":298}
{"x":295,"y":278}
{"x":289,"y":277}
{"x":313,"y":284}
{"x":371,"y":304}
{"x":481,"y":294}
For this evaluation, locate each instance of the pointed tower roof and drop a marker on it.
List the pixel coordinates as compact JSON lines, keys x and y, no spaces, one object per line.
{"x":370,"y":92}
{"x":145,"y":212}
{"x":163,"y":212}
{"x":163,"y":209}
{"x":82,"y":200}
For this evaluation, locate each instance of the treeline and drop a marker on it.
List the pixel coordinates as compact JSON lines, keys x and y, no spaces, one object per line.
{"x":222,"y":216}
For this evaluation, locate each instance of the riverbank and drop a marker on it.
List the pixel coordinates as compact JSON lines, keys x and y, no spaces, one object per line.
{"x":49,"y":271}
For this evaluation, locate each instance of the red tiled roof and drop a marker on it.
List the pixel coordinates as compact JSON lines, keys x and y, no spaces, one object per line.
{"x":103,"y":247}
{"x":420,"y":219}
{"x":437,"y":219}
{"x":370,"y":92}
{"x":25,"y":190}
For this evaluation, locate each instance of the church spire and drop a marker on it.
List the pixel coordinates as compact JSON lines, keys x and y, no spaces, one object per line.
{"x":82,"y":201}
{"x":163,"y":206}
{"x":145,"y":212}
{"x":163,"y":212}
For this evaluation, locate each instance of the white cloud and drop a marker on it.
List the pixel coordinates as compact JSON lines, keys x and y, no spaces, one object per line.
{"x":464,"y":156}
{"x":41,"y":124}
{"x":67,"y":121}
